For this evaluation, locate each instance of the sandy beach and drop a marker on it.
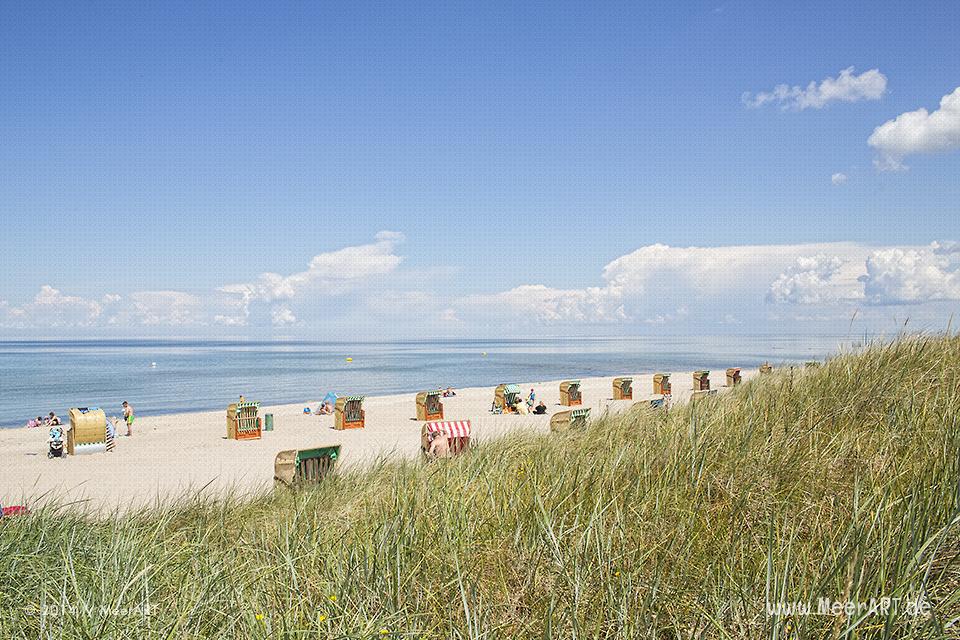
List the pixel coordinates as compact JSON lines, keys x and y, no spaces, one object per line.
{"x":179,"y":454}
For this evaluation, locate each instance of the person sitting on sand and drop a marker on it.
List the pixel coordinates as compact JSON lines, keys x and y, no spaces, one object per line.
{"x":521,"y":408}
{"x":540,"y":409}
{"x":128,"y":417}
{"x":53,"y":420}
{"x":325,"y":409}
{"x":449,"y":393}
{"x":439,"y":445}
{"x":38,"y":422}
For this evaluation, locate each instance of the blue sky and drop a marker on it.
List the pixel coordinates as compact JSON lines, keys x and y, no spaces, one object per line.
{"x":187,"y":148}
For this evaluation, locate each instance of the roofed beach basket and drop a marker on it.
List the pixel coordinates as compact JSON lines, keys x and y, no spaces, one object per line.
{"x":429,"y":406}
{"x":88,"y":432}
{"x":505,"y":396}
{"x":243,"y":421}
{"x":570,"y":393}
{"x":623,"y":388}
{"x":661,"y":384}
{"x":457,"y":433}
{"x":348,"y":413}
{"x":701,"y":380}
{"x":567,"y":420}
{"x":298,"y":467}
{"x":766,"y":367}
{"x":733,"y":376}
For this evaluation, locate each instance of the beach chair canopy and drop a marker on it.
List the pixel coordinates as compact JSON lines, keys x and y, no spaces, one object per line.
{"x":355,"y":398}
{"x":512,"y":388}
{"x":579,"y":413}
{"x":454,"y":428}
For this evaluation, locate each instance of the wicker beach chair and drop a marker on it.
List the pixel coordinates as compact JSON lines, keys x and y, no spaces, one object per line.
{"x":429,"y":406}
{"x":570,"y":393}
{"x":297,"y":467}
{"x":457,"y":434}
{"x":243,"y":421}
{"x":349,"y":413}
{"x":623,"y":388}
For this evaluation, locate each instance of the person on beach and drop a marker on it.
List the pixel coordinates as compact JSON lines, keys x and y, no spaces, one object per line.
{"x":531,"y":399}
{"x":521,"y":408}
{"x":38,"y":422}
{"x":540,"y":409}
{"x":449,"y":393}
{"x":53,"y":420}
{"x":128,"y":417}
{"x":439,"y":445}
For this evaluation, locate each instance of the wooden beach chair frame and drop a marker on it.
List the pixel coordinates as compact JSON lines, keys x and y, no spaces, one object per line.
{"x":661,"y":384}
{"x":243,"y":421}
{"x":623,"y":388}
{"x":458,"y":434}
{"x":505,"y":396}
{"x":429,"y":405}
{"x":570,"y":419}
{"x":88,"y":426}
{"x":701,"y":380}
{"x":348,"y":413}
{"x":733,"y":376}
{"x":570,"y":395}
{"x":298,"y":467}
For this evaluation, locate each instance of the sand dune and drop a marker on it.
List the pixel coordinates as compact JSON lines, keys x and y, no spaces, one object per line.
{"x":172,"y":455}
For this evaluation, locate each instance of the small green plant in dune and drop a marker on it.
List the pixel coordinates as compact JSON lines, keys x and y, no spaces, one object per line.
{"x":753,"y":514}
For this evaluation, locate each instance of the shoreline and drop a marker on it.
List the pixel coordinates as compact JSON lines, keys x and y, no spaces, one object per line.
{"x":176,"y":455}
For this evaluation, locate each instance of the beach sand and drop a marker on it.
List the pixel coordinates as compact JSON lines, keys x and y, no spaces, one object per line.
{"x":170,"y":456}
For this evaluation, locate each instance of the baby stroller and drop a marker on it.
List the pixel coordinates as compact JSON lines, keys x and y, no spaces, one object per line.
{"x":56,"y":443}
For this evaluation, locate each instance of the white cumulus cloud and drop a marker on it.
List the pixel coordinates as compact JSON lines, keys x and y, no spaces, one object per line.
{"x":330,"y":273}
{"x":660,"y":285}
{"x":911,"y":276}
{"x":539,"y":303}
{"x":282,"y":316}
{"x":838,"y":178}
{"x":846,"y":87}
{"x":817,"y":280}
{"x":51,"y":308}
{"x":162,"y":308}
{"x":918,"y":132}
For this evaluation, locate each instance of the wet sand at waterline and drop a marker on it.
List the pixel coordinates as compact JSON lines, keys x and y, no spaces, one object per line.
{"x":175,"y":455}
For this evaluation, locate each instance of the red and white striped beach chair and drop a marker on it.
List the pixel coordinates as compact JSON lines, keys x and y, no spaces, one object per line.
{"x":457,"y":433}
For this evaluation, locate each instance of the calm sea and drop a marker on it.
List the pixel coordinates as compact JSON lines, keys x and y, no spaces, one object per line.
{"x":174,"y":376}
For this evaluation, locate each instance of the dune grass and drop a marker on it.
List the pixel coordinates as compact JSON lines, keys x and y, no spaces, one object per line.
{"x":836,"y":482}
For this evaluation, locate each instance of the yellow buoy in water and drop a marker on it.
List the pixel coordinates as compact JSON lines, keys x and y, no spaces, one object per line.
{"x":349,"y":359}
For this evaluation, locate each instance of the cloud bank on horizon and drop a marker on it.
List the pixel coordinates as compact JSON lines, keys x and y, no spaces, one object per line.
{"x":655,"y":285}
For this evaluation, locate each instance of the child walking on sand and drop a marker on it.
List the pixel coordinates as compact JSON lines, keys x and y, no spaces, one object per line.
{"x":128,"y":417}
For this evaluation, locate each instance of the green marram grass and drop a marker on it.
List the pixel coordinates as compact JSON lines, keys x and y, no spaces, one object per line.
{"x":707,"y":521}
